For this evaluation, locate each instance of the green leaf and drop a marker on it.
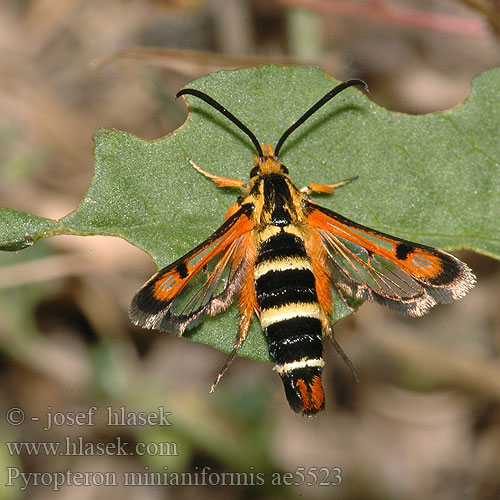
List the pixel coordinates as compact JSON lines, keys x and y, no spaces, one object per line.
{"x":19,"y":230}
{"x":433,"y":179}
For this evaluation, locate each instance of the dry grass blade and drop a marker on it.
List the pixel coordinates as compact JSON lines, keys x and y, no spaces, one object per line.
{"x":190,"y":62}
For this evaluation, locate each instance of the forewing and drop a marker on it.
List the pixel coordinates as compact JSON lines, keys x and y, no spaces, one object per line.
{"x":204,"y":281}
{"x":367,"y":264}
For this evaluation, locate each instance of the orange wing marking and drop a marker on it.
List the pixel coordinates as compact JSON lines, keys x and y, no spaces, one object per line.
{"x":417,"y":261}
{"x":170,"y":285}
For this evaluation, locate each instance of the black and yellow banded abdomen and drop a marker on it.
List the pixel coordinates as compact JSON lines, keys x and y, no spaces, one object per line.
{"x":291,"y":317}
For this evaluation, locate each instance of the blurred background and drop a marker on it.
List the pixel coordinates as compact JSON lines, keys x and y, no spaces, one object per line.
{"x":424,"y":420}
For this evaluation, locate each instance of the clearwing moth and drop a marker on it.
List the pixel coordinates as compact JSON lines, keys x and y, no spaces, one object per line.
{"x":281,"y":255}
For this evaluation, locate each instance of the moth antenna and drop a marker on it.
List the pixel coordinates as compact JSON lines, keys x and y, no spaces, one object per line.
{"x":209,"y":100}
{"x":339,"y":88}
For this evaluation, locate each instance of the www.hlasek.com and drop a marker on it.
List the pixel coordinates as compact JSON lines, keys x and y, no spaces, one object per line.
{"x":79,"y":448}
{"x":309,"y":476}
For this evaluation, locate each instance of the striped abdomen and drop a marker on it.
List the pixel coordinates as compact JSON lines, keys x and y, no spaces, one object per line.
{"x":291,"y":318}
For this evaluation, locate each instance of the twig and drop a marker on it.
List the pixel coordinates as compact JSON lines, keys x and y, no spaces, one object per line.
{"x":375,"y":10}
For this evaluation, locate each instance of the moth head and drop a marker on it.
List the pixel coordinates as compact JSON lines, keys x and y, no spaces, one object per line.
{"x":268,"y":163}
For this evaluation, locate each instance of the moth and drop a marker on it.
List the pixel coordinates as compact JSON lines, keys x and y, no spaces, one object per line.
{"x":282,"y":256}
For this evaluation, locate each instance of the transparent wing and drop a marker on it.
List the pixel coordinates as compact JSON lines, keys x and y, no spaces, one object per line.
{"x":367,"y":264}
{"x":204,"y":281}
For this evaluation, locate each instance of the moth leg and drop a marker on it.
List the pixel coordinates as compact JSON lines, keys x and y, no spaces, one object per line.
{"x":220,"y":181}
{"x":247,"y":304}
{"x":329,"y":333}
{"x":243,"y":327}
{"x":326,"y":188}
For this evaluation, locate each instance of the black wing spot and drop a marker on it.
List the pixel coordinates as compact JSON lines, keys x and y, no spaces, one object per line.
{"x":402,"y":251}
{"x":182,"y":270}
